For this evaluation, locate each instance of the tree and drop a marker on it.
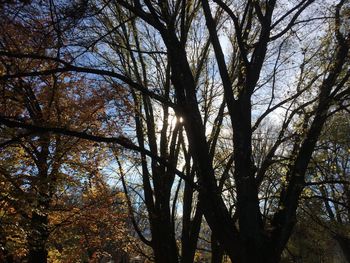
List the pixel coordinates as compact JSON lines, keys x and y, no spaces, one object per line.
{"x":35,"y":165}
{"x":329,"y":187}
{"x":264,"y":40}
{"x":155,"y":127}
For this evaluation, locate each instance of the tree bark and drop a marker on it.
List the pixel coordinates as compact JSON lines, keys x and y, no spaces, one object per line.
{"x":37,"y":239}
{"x":190,"y":238}
{"x":217,"y":253}
{"x":344,"y":244}
{"x":163,"y":240}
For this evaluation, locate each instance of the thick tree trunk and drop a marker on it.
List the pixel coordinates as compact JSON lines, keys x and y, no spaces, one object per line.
{"x":344,"y":244}
{"x":37,"y":239}
{"x":217,"y":252}
{"x":164,"y":244}
{"x":251,"y":230}
{"x":163,"y":233}
{"x":163,"y":237}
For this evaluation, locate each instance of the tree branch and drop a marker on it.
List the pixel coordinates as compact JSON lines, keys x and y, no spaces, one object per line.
{"x":122,"y":141}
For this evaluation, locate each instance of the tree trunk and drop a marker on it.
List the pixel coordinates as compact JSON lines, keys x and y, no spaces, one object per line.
{"x":344,"y":244}
{"x":190,"y":227}
{"x":189,"y":243}
{"x":163,"y":232}
{"x":217,"y":252}
{"x":164,"y":244}
{"x":37,"y":239}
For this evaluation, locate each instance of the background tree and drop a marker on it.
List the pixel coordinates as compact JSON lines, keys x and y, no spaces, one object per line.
{"x":90,"y":223}
{"x":36,"y":165}
{"x":329,"y":187}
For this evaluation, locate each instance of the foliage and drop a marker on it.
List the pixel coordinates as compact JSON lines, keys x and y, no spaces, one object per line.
{"x":93,"y":227}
